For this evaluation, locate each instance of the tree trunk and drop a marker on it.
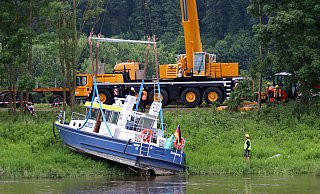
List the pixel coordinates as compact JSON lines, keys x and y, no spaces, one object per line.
{"x":63,"y":72}
{"x":67,"y":60}
{"x":74,"y":57}
{"x":30,"y":50}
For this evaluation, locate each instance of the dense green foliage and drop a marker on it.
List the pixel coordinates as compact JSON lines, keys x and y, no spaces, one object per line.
{"x":43,"y":54}
{"x":290,"y":35}
{"x":214,"y":144}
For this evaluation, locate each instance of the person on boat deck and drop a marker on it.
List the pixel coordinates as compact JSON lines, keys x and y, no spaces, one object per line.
{"x":247,"y":147}
{"x":144,"y":100}
{"x":132,"y":92}
{"x":116,"y":92}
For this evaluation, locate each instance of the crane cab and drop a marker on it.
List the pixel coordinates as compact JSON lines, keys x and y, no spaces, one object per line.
{"x":199,"y":64}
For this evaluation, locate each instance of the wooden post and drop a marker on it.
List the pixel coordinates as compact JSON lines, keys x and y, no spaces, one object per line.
{"x":98,"y":123}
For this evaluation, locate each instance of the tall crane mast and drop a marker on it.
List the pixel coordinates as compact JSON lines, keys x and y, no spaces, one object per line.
{"x":191,"y":30}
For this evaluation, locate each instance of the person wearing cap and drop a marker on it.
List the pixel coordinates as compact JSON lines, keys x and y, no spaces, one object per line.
{"x":247,"y":147}
{"x":277,"y":93}
{"x":132,"y":92}
{"x":269,"y":92}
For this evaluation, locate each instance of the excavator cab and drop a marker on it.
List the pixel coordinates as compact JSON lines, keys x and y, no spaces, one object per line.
{"x":286,"y":81}
{"x":199,"y":64}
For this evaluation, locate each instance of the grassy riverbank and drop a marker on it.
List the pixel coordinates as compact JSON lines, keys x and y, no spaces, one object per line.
{"x":214,"y":144}
{"x":215,"y":140}
{"x":29,"y":150}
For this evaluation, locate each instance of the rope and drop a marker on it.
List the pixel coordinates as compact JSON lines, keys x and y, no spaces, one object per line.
{"x":147,"y":58}
{"x":103,"y":116}
{"x":95,"y":92}
{"x":97,"y":56}
{"x":139,"y":96}
{"x":90,"y":45}
{"x":104,"y":16}
{"x":161,"y":113}
{"x":156,"y":57}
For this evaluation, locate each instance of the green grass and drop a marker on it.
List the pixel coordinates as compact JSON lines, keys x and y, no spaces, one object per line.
{"x":215,"y":140}
{"x":214,"y":144}
{"x":29,"y":150}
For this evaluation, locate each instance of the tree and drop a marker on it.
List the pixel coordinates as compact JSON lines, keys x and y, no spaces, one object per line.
{"x":240,"y":47}
{"x":293,"y":34}
{"x":15,"y":38}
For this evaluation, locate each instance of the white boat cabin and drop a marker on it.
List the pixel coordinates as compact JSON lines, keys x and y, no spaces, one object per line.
{"x":122,"y":122}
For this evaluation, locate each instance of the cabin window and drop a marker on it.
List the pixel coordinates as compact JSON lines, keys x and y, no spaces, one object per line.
{"x":115,"y":118}
{"x":199,"y":62}
{"x":107,"y":114}
{"x":112,"y":117}
{"x":81,"y":80}
{"x":146,"y":123}
{"x":94,"y":113}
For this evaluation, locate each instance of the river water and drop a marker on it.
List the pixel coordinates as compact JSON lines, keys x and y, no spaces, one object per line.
{"x":166,"y":184}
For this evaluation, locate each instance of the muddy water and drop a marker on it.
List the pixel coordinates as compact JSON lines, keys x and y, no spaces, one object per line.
{"x":170,"y":184}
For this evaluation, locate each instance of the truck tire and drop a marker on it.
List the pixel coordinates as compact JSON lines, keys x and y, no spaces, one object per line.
{"x":191,"y":97}
{"x":164,"y":97}
{"x":56,"y":100}
{"x":105,"y":97}
{"x":212,"y":95}
{"x":6,"y":98}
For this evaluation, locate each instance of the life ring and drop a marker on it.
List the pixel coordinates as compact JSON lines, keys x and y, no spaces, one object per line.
{"x":146,"y":135}
{"x":176,"y":144}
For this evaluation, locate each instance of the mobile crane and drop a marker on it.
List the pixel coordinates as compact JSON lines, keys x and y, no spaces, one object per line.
{"x":194,"y":77}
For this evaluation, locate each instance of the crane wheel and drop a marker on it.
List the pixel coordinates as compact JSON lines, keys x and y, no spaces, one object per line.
{"x":105,"y":97}
{"x":212,"y":95}
{"x":191,"y":97}
{"x":163,"y":96}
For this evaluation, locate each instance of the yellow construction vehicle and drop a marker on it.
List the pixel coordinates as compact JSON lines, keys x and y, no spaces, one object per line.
{"x":195,"y":76}
{"x":84,"y":84}
{"x":196,"y":63}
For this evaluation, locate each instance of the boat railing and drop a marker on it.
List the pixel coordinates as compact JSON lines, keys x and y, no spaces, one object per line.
{"x":61,"y":116}
{"x":77,"y":116}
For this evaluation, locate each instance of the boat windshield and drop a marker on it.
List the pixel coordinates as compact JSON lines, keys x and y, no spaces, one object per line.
{"x":146,"y":122}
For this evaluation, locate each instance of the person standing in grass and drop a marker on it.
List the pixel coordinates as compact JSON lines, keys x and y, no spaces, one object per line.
{"x":247,"y":147}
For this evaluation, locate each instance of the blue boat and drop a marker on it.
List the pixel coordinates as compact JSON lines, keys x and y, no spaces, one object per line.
{"x":118,"y":133}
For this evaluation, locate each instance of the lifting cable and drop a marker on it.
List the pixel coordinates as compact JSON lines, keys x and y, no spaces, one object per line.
{"x":157,"y":74}
{"x":147,"y":58}
{"x":139,"y":96}
{"x":95,"y":92}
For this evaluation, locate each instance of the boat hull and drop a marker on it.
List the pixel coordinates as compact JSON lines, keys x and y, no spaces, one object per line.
{"x":139,"y":156}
